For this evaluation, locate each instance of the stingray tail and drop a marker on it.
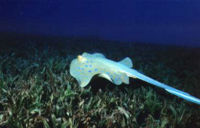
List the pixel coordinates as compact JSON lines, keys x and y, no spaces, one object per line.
{"x":169,"y":89}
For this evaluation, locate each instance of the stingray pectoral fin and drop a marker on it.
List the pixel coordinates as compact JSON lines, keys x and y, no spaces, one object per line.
{"x":116,"y":78}
{"x":84,"y":81}
{"x":83,"y":78}
{"x":80,"y":73}
{"x":106,"y":76}
{"x":127,"y":61}
{"x":98,"y":55}
{"x":111,"y":78}
{"x":124,"y":78}
{"x":168,"y":88}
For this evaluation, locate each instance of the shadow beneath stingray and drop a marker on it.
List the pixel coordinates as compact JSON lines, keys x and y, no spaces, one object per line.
{"x":99,"y":83}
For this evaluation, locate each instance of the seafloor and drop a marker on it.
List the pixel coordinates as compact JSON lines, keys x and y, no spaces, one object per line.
{"x":36,"y":89}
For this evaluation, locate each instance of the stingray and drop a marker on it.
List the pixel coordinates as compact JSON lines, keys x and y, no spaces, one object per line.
{"x":86,"y":66}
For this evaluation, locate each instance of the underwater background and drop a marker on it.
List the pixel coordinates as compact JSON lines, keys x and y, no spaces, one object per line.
{"x":39,"y":39}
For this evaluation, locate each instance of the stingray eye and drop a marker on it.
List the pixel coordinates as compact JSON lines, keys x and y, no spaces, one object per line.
{"x":81,"y":58}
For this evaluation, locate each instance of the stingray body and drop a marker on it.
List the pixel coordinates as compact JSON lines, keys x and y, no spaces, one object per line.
{"x":85,"y":66}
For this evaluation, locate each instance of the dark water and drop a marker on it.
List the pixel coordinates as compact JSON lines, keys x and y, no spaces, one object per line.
{"x":150,"y":21}
{"x":39,"y":39}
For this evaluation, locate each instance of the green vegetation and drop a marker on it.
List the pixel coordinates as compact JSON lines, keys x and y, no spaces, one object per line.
{"x":36,"y":89}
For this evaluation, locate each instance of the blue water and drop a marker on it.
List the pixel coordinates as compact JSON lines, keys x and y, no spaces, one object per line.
{"x":148,"y":21}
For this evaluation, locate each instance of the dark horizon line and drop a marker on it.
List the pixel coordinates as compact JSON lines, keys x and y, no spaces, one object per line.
{"x":10,"y":34}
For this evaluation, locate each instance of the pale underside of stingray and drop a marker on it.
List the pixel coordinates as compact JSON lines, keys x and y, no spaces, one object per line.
{"x":85,"y":66}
